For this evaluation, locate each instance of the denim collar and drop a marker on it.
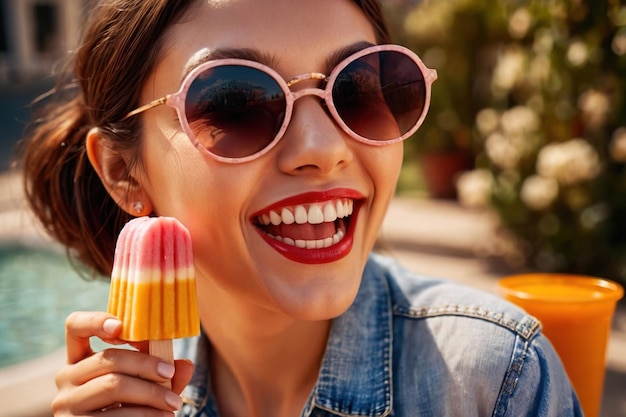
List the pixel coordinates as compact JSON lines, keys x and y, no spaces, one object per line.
{"x":355,"y":376}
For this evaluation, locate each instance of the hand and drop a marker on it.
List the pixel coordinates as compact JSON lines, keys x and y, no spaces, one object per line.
{"x":114,"y":382}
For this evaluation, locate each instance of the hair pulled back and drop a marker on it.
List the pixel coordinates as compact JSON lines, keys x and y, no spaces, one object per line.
{"x":102,"y":82}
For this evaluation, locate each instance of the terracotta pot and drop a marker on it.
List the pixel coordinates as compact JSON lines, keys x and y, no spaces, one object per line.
{"x":441,"y":170}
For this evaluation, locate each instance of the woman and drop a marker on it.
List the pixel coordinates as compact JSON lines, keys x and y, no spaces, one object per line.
{"x":272,"y":130}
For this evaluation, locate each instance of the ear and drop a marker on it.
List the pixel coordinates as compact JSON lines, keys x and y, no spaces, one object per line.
{"x":116,"y":176}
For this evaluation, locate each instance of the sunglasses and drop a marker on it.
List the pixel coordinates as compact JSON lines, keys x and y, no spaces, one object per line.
{"x":236,"y":110}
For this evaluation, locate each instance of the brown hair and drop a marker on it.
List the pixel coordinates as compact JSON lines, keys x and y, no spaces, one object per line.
{"x":101,"y":84}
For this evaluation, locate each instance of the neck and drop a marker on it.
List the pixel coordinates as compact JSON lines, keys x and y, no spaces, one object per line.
{"x":262,"y":362}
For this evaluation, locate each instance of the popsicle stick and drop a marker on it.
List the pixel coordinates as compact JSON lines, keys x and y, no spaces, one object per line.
{"x":164,"y":350}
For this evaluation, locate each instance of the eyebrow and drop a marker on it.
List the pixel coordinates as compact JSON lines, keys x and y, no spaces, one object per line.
{"x":207,"y":55}
{"x":342,"y":53}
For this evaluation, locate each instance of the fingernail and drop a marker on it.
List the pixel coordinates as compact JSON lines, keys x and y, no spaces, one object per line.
{"x":173,"y":400}
{"x":111,"y":325}
{"x":165,"y":369}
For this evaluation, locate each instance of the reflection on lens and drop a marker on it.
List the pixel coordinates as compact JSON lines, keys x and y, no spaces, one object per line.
{"x":380,"y":96}
{"x":233,"y":111}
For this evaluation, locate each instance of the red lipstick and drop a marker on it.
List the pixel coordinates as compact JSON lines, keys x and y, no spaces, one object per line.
{"x":313,"y":227}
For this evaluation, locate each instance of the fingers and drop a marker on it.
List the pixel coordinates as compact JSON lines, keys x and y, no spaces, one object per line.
{"x":81,"y":325}
{"x":116,"y":376}
{"x":119,"y":361}
{"x":110,"y":389}
{"x":96,"y":383}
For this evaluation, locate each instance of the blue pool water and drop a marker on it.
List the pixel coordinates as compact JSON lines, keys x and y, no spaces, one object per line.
{"x":38,"y":290}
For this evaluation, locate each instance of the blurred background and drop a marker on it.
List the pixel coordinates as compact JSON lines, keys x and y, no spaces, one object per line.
{"x":530,"y":107}
{"x":526,"y":135}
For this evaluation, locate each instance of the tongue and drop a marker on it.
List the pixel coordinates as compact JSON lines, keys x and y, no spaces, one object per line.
{"x":304,"y":231}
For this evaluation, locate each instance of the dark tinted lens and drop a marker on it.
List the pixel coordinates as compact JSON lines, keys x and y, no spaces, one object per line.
{"x":234,"y":111}
{"x":380,"y":96}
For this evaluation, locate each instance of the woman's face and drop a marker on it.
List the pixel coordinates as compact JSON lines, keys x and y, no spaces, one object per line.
{"x":315,"y":166}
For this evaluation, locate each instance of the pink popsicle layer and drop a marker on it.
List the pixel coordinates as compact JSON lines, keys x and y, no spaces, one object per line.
{"x":153,"y":285}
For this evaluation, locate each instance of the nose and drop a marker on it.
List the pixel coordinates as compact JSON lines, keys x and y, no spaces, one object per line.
{"x":313,"y":142}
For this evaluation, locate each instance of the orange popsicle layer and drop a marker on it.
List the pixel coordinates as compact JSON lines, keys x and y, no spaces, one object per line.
{"x":153,"y":286}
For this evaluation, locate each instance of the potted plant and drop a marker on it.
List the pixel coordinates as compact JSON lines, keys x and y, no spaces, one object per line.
{"x":551,"y":135}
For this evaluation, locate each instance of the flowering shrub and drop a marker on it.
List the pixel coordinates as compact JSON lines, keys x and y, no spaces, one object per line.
{"x":552,"y":139}
{"x":544,"y":87}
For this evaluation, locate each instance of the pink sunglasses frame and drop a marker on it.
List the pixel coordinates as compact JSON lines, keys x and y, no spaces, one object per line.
{"x":177,"y":99}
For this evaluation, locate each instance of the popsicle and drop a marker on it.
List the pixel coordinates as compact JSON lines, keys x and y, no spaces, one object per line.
{"x":153,"y":286}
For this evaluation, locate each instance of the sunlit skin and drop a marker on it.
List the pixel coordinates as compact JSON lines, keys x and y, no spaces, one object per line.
{"x":266,"y":315}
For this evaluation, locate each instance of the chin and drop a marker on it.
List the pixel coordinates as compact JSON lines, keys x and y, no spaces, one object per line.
{"x":323,"y":295}
{"x":319,"y":310}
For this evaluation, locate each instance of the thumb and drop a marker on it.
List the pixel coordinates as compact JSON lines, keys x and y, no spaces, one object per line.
{"x":182,"y":376}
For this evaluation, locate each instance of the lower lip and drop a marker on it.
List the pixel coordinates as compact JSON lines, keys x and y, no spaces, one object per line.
{"x":316,"y":256}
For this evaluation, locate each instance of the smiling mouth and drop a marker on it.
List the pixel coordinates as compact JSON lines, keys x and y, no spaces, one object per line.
{"x":318,"y":225}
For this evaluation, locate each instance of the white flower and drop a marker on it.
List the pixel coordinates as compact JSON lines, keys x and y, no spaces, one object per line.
{"x":506,"y":149}
{"x":538,"y":192}
{"x":619,"y":42}
{"x":519,"y":119}
{"x":617,"y":146}
{"x":487,"y":121}
{"x":595,"y":106}
{"x":519,"y":23}
{"x":509,"y":69}
{"x":502,"y":151}
{"x":570,"y":162}
{"x":577,"y":53}
{"x":474,"y":188}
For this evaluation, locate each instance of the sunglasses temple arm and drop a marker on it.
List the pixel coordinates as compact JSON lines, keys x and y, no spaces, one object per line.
{"x":145,"y":107}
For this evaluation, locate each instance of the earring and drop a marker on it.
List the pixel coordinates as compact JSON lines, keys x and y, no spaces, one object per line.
{"x":138,"y":207}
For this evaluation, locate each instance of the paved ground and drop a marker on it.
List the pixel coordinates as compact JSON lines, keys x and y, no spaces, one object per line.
{"x":432,"y":237}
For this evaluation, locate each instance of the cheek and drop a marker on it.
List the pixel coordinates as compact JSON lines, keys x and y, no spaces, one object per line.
{"x":384,"y":166}
{"x":175,"y":170}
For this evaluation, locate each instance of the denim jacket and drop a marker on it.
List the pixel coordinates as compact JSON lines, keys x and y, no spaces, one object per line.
{"x":411,"y":346}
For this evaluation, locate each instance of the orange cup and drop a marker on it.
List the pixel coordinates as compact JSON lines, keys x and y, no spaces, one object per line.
{"x":576,"y":313}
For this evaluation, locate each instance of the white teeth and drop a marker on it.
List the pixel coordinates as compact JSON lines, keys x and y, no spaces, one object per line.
{"x":275,"y":218}
{"x":330,"y":213}
{"x":338,"y":236}
{"x":287,"y":216}
{"x":315,"y":214}
{"x":340,"y":212}
{"x":300,"y":215}
{"x":312,"y":244}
